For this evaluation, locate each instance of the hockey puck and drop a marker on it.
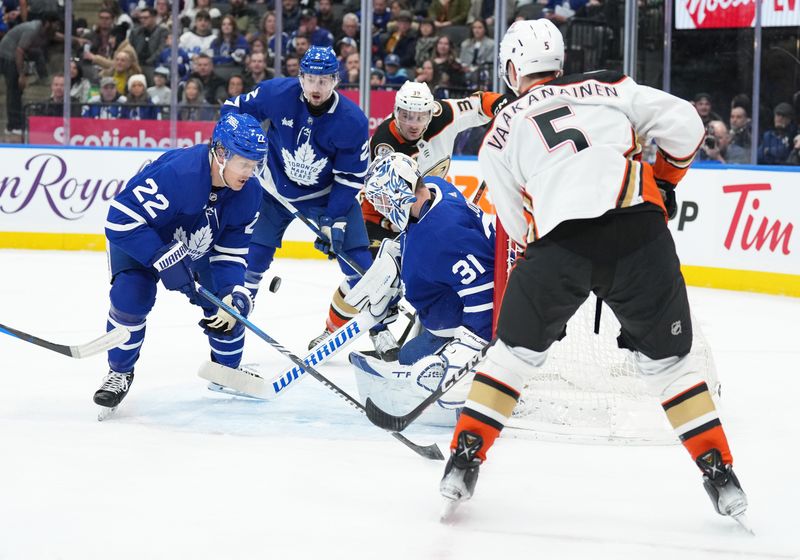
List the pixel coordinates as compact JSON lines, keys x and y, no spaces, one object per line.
{"x":275,"y":284}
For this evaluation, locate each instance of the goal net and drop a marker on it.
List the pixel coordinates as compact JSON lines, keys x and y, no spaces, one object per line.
{"x":589,"y":389}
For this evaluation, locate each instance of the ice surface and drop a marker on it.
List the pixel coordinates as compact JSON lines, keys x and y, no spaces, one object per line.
{"x":181,"y":472}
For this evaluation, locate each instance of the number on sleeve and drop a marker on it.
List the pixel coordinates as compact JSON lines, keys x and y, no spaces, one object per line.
{"x":555,"y":138}
{"x":160,"y":202}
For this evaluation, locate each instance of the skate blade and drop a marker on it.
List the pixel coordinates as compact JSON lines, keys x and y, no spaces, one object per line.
{"x":744,"y":523}
{"x":105,"y":413}
{"x":448,"y":509}
{"x":217,"y":388}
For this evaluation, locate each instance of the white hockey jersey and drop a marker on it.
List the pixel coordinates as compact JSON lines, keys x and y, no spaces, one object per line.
{"x":569,"y":149}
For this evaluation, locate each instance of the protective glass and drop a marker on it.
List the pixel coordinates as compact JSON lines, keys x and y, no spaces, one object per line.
{"x":413,"y":118}
{"x":243,"y":166}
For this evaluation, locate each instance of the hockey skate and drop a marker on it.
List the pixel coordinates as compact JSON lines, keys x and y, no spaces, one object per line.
{"x":114,"y":388}
{"x":317,"y":339}
{"x":385,"y":344}
{"x":460,"y":473}
{"x":723,"y":487}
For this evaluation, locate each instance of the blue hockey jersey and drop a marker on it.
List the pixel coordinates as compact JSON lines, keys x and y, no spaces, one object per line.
{"x":316,"y":159}
{"x":172,"y":199}
{"x":448,"y":264}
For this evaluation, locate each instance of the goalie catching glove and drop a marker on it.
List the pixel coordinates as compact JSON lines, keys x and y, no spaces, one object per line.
{"x":380,"y":287}
{"x":222,"y":323}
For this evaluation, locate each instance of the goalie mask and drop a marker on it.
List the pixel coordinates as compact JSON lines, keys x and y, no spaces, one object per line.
{"x":390,"y":184}
{"x":531,"y":47}
{"x":413,"y":109}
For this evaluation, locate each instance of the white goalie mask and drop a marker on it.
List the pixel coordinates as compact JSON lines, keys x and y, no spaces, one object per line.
{"x":389,"y":186}
{"x":413,"y":109}
{"x":531,"y":46}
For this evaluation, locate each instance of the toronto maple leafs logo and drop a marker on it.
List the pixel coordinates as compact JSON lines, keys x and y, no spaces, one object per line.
{"x":199,"y":242}
{"x":303,"y":167}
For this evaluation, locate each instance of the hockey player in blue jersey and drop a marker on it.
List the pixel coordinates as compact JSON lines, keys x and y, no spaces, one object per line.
{"x":445,"y":258}
{"x":318,"y":156}
{"x":188,"y":215}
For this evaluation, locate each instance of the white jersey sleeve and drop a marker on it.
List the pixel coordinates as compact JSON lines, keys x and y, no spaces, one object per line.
{"x":567,"y":149}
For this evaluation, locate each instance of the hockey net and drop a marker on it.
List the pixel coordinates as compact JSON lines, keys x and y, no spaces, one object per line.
{"x":589,"y":389}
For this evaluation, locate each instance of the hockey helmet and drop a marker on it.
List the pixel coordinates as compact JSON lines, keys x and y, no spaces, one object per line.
{"x":531,"y":46}
{"x":319,"y":61}
{"x":241,"y":135}
{"x":389,"y":186}
{"x":413,"y":97}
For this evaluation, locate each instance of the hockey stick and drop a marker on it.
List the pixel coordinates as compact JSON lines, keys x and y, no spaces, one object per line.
{"x":429,"y":452}
{"x":112,"y":338}
{"x":273,"y":191}
{"x":395,"y":424}
{"x":263,"y":389}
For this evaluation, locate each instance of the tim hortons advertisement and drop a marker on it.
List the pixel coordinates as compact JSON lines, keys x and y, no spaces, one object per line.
{"x":709,"y":14}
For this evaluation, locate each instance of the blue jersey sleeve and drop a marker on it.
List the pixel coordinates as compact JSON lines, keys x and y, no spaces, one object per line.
{"x":150,"y":200}
{"x":228,"y":259}
{"x":261,"y":102}
{"x":349,"y":164}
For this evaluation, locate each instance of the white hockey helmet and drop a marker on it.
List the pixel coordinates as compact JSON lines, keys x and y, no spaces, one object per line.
{"x":389,"y":186}
{"x":414,"y":97}
{"x":531,"y":46}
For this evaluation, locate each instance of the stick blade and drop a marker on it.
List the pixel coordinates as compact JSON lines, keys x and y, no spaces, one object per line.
{"x":387,"y":421}
{"x":431,"y":451}
{"x":113,"y":338}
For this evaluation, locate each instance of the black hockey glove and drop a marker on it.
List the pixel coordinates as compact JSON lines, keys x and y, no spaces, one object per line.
{"x":668,"y":194}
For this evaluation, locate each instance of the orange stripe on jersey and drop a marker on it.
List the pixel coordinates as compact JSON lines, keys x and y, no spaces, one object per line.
{"x":395,"y":132}
{"x":488,"y":99}
{"x":666,"y":170}
{"x":713,"y":437}
{"x":369,"y":212}
{"x":650,"y":190}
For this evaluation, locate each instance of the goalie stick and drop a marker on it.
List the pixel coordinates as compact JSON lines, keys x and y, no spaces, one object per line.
{"x":429,"y":452}
{"x":395,"y":424}
{"x":112,"y":338}
{"x":264,"y":389}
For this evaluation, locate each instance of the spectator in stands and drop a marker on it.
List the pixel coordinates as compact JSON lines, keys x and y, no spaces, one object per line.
{"x":401,"y":42}
{"x":425,"y":75}
{"x":267,"y":31}
{"x":24,"y":42}
{"x":163,"y":13}
{"x":80,"y":85}
{"x":377,"y":78}
{"x":229,"y":48}
{"x":54,"y":106}
{"x":448,"y":71}
{"x":740,"y":128}
{"x":258,"y":45}
{"x":107,"y":105}
{"x":257,"y":71}
{"x":292,"y":64}
{"x":326,"y":18}
{"x":194,"y":106}
{"x":350,"y":28}
{"x":318,"y":36}
{"x":778,"y":142}
{"x":124,"y":65}
{"x":138,"y":105}
{"x":349,"y":74}
{"x":103,"y":42}
{"x":381,"y":15}
{"x":291,"y":16}
{"x":344,"y":48}
{"x":794,"y":155}
{"x":717,"y":146}
{"x":147,"y":38}
{"x":445,"y":13}
{"x":213,"y":85}
{"x":165,"y":58}
{"x":235,"y":86}
{"x":245,"y":17}
{"x":477,"y":51}
{"x":300,"y":44}
{"x":198,"y":39}
{"x":426,"y":41}
{"x":702,"y":104}
{"x":160,"y":92}
{"x":121,"y":24}
{"x":394,"y":73}
{"x":190,"y":11}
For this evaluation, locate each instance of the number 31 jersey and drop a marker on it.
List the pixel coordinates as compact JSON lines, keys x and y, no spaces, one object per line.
{"x":569,"y":149}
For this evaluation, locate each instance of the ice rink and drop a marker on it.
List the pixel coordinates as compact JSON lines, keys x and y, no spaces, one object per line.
{"x":183,"y":473}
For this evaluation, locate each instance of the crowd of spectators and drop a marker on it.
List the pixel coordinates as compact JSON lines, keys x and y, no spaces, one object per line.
{"x":123,"y":58}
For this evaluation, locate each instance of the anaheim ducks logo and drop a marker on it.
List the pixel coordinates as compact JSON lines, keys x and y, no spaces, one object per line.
{"x":382,"y":149}
{"x":437,"y":108}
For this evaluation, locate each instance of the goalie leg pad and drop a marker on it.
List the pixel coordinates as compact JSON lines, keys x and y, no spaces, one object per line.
{"x":132,"y":295}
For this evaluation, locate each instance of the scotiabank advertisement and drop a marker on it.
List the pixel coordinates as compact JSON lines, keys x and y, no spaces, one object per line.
{"x":710,"y":14}
{"x":729,"y":218}
{"x":120,"y":133}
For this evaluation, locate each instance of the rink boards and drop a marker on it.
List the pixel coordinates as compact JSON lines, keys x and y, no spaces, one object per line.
{"x":736,"y":225}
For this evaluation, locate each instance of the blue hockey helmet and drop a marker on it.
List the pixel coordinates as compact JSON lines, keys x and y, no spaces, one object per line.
{"x":320,"y":61}
{"x":241,"y":135}
{"x":390,"y":185}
